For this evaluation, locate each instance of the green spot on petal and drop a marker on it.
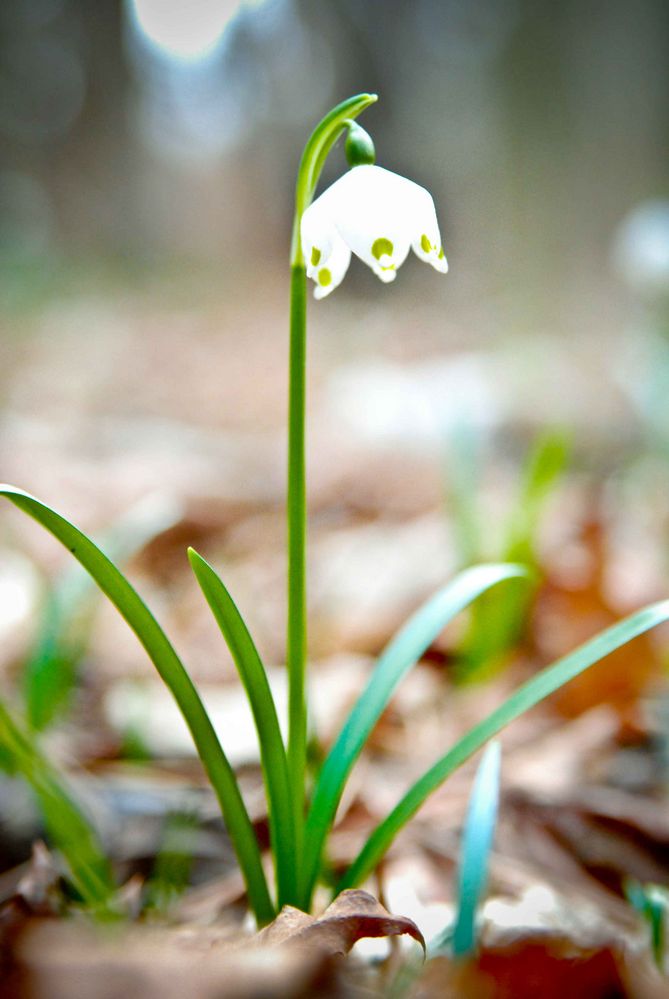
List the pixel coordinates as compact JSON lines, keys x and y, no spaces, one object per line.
{"x":382,"y":247}
{"x":315,"y":256}
{"x":441,"y":254}
{"x":425,"y":244}
{"x":324,"y":277}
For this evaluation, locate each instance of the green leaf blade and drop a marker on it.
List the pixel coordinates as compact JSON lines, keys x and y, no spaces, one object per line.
{"x":399,"y":657}
{"x":140,"y":619}
{"x":51,"y":671}
{"x":527,"y":696}
{"x":272,"y":750}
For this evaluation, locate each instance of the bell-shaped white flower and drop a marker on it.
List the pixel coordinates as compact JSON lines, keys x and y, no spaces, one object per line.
{"x":376,"y":214}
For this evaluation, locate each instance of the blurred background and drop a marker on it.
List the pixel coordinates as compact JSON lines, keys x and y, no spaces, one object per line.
{"x":145,"y":136}
{"x":147,"y":168}
{"x":148,"y":156}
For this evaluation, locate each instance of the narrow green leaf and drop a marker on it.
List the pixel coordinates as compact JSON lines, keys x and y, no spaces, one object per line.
{"x":544,"y":465}
{"x":500,"y":618}
{"x":171,"y":669}
{"x":70,"y":832}
{"x":272,"y":750}
{"x":477,"y":841}
{"x":173,"y":863}
{"x":401,"y":654}
{"x":51,"y":670}
{"x":535,"y":690}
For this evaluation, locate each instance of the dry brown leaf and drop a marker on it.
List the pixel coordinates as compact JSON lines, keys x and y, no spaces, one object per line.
{"x":529,"y":969}
{"x":549,"y":944}
{"x":66,"y":960}
{"x":353,"y":915}
{"x":572,"y":607}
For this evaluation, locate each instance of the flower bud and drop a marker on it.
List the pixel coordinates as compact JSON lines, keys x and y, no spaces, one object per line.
{"x":359,"y":147}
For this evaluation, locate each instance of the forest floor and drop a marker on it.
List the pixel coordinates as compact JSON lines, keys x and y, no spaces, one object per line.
{"x":115,"y":410}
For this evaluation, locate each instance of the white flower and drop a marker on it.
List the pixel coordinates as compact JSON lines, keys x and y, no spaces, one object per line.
{"x":376,"y":214}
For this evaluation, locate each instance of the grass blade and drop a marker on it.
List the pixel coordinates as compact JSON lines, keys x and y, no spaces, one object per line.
{"x":70,"y":832}
{"x":401,"y":654}
{"x":171,"y":669}
{"x":535,"y":690}
{"x":477,"y":841}
{"x":272,"y":750}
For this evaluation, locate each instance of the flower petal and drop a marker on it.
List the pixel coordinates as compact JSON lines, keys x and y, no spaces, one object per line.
{"x":426,"y":242}
{"x":318,"y":235}
{"x":371,"y":215}
{"x":330,"y":272}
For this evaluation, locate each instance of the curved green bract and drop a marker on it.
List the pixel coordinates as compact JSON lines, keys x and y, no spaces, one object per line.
{"x":70,"y":831}
{"x":399,"y":657}
{"x":171,"y":669}
{"x":315,"y":153}
{"x":272,"y":750}
{"x":535,"y":690}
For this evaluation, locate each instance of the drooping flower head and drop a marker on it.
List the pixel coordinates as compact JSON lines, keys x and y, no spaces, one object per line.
{"x":373,"y":213}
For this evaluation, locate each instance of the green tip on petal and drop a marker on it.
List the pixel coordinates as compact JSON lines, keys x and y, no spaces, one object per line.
{"x":315,"y":256}
{"x":324,"y":277}
{"x":425,"y":244}
{"x":382,"y":248}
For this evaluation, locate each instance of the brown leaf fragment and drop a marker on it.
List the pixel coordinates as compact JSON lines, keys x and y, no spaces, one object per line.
{"x":353,"y":915}
{"x":39,"y":887}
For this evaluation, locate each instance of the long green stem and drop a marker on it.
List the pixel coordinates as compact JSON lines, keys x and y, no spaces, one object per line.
{"x":296,"y":648}
{"x":313,"y":159}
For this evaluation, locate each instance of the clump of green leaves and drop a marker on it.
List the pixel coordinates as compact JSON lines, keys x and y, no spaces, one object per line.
{"x":297,"y":871}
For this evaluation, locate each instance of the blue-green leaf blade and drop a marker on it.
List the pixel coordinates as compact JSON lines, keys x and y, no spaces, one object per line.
{"x":477,"y":842}
{"x":527,"y":696}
